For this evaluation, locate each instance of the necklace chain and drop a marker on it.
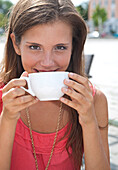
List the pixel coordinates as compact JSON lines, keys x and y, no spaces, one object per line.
{"x":55,"y":138}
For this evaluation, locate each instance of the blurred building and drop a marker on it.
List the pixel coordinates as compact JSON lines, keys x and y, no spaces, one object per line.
{"x":111,"y":6}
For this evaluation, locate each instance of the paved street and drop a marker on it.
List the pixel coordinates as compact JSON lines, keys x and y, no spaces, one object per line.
{"x":113,"y":145}
{"x":113,"y":148}
{"x":104,"y":70}
{"x":104,"y":73}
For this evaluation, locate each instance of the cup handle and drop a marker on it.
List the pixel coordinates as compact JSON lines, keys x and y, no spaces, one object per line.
{"x":29,"y":90}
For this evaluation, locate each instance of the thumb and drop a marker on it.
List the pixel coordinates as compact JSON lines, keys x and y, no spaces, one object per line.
{"x":24,"y":74}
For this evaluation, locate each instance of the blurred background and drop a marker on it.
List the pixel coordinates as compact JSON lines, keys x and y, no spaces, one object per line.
{"x":101,"y":17}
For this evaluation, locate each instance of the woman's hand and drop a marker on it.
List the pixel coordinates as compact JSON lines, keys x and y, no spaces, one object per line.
{"x":15,"y":99}
{"x":81,"y":98}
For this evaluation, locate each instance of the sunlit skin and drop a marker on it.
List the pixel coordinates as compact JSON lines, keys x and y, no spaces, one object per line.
{"x":48,"y":47}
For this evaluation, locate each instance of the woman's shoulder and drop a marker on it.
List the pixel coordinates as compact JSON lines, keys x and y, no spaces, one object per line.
{"x":101,"y":108}
{"x":100,"y":97}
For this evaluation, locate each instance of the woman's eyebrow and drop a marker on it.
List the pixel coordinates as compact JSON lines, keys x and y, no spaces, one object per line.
{"x":55,"y":44}
{"x":63,"y":44}
{"x":33,"y":43}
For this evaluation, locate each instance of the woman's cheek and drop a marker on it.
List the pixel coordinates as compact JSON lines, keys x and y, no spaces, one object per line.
{"x":64,"y":62}
{"x":28,"y":61}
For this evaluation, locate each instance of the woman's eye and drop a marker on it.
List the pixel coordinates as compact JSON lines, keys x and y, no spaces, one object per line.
{"x":61,"y":48}
{"x":34,"y":47}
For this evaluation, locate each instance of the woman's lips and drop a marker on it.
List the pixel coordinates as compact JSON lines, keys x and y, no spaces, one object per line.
{"x":36,"y":70}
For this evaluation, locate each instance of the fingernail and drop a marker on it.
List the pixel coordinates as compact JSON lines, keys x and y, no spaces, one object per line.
{"x":71,"y":74}
{"x":65,"y":89}
{"x":67,"y":80}
{"x":62,"y":99}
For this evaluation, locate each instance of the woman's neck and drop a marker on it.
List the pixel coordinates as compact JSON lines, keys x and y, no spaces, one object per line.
{"x":44,"y":116}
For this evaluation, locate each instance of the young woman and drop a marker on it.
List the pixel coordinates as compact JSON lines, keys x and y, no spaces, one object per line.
{"x":44,"y":36}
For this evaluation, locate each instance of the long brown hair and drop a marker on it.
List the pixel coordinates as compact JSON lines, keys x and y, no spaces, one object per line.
{"x":28,"y":13}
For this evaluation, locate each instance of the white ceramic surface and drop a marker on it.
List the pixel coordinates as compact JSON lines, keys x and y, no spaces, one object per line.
{"x":46,"y":85}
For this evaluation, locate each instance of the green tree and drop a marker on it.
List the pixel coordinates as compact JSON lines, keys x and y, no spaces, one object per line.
{"x":83,"y":10}
{"x":5,"y":6}
{"x":4,"y":9}
{"x":99,"y":17}
{"x":3,"y":20}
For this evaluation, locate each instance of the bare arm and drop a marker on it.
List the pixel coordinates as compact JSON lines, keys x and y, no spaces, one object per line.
{"x":7,"y":132}
{"x":92,"y":112}
{"x":14,"y":100}
{"x":96,"y":140}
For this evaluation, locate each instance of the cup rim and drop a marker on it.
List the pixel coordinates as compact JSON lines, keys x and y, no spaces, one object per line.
{"x":53,"y":72}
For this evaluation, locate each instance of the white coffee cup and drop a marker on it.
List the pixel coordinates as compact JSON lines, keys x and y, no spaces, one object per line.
{"x":46,"y":85}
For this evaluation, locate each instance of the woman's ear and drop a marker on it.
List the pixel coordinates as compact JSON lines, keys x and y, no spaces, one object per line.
{"x":16,"y":48}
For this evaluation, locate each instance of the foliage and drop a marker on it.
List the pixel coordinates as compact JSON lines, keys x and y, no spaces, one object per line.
{"x":5,"y":6}
{"x":4,"y":9}
{"x":99,"y":16}
{"x":83,"y":10}
{"x":3,"y":20}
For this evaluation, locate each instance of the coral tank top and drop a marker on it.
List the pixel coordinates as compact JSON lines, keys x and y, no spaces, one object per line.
{"x":22,"y":153}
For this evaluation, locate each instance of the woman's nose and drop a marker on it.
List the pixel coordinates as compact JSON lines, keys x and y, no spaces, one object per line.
{"x":47,"y":60}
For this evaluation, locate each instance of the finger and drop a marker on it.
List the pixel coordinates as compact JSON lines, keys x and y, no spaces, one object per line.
{"x":24,"y":74}
{"x":20,"y":107}
{"x":70,"y":103}
{"x":24,"y":106}
{"x":13,"y":93}
{"x":74,"y":95}
{"x":23,"y":99}
{"x":78,"y":107}
{"x":78,"y":87}
{"x":80,"y":79}
{"x":14,"y":83}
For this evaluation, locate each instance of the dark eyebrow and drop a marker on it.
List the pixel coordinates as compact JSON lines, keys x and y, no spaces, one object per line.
{"x":33,"y":43}
{"x":63,"y":44}
{"x":40,"y":44}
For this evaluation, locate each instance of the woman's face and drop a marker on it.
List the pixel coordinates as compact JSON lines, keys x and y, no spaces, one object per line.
{"x":46,"y":47}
